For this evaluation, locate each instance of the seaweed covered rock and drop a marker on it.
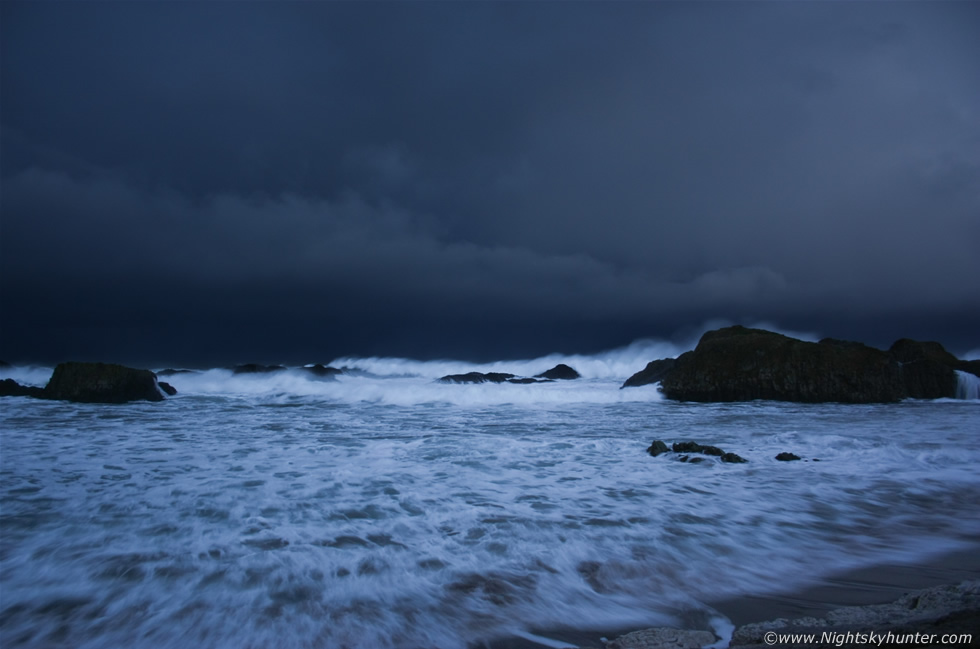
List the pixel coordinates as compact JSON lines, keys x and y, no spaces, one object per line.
{"x":101,"y":383}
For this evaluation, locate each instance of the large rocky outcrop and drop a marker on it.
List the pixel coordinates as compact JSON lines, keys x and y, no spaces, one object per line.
{"x":101,"y":383}
{"x":93,"y":383}
{"x":742,"y":364}
{"x":927,"y":368}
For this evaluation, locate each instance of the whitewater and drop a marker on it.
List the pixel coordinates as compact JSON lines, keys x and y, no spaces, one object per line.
{"x":385,"y":509}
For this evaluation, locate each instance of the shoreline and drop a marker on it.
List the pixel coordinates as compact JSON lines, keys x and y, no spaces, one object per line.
{"x":876,"y":584}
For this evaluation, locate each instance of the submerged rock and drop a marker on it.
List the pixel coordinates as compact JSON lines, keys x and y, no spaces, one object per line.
{"x":787,"y":457}
{"x":559,"y":372}
{"x":101,"y":383}
{"x":659,"y":448}
{"x":733,"y":458}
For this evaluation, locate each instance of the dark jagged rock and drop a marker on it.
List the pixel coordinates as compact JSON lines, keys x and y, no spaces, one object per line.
{"x":101,"y":383}
{"x":733,"y":458}
{"x":787,"y":457}
{"x":166,"y":387}
{"x":654,"y":371}
{"x":712,"y":450}
{"x":322,"y":372}
{"x":11,"y":388}
{"x":560,"y":372}
{"x":477,"y":377}
{"x":658,"y":448}
{"x":254,"y":368}
{"x":741,"y":364}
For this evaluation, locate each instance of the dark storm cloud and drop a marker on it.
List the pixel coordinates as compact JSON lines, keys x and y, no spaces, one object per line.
{"x":490,"y":178}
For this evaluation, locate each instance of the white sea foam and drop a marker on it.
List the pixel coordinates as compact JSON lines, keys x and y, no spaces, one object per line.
{"x":967,"y":385}
{"x":240,"y":514}
{"x":384,"y":509}
{"x":32,"y":375}
{"x":618,"y":363}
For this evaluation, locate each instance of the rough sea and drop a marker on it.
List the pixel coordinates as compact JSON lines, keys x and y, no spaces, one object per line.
{"x":387,"y":510}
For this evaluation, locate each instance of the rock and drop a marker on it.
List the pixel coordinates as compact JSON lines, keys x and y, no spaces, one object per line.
{"x":932,"y":610}
{"x":686,"y":447}
{"x":658,"y":448}
{"x":254,"y":368}
{"x":926,"y":369}
{"x":11,"y":388}
{"x":322,"y":372}
{"x":691,"y":460}
{"x":559,"y":372}
{"x":787,"y":457}
{"x":166,"y":387}
{"x":654,"y":371}
{"x":732,"y":458}
{"x":712,"y":450}
{"x":101,"y":383}
{"x":741,"y":364}
{"x":170,"y":372}
{"x":525,"y":381}
{"x":477,"y":377}
{"x":973,"y":367}
{"x":663,"y":638}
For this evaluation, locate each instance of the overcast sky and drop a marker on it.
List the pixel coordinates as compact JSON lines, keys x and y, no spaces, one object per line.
{"x":213,"y":182}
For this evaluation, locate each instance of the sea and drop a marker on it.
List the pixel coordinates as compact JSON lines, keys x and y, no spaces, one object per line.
{"x":385,"y":509}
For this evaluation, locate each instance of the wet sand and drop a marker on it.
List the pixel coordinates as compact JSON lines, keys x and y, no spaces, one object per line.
{"x":878,"y":584}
